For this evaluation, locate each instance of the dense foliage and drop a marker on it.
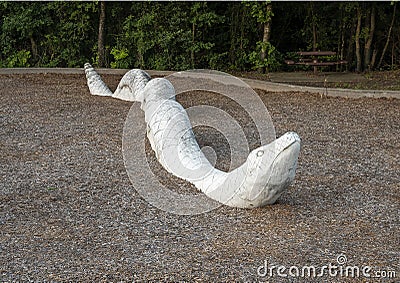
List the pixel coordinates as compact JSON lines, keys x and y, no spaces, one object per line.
{"x":183,"y":35}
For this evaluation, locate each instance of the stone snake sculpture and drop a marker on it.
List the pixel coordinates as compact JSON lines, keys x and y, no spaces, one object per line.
{"x":267,"y":172}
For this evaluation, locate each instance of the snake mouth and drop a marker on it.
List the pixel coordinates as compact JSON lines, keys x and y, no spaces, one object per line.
{"x":283,"y":170}
{"x":286,"y":141}
{"x":285,"y":162}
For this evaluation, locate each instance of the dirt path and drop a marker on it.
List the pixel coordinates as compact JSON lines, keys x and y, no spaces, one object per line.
{"x":69,"y":213}
{"x":325,"y":84}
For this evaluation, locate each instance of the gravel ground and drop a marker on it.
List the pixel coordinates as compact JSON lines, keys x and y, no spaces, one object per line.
{"x":68,"y":211}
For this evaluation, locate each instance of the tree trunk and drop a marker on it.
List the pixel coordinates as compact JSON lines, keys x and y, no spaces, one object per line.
{"x":393,"y":49}
{"x":192,"y":51}
{"x":242,"y":38}
{"x":233,"y":33}
{"x":342,"y":42}
{"x":368,"y":43}
{"x":350,"y":48}
{"x":100,"y":41}
{"x":266,"y":37}
{"x":314,"y":32}
{"x":388,"y":36}
{"x":34,"y":47}
{"x":373,"y":60}
{"x":357,"y":39}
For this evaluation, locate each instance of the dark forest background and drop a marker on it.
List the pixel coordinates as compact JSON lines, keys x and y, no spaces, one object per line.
{"x":228,"y":36}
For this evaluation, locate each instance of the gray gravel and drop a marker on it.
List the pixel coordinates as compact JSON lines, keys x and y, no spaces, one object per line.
{"x":69,"y":213}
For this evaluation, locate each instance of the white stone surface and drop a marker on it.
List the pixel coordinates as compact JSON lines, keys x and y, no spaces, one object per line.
{"x":267,"y":172}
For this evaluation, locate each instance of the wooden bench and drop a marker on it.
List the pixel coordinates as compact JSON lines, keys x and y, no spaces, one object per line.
{"x":312,"y":58}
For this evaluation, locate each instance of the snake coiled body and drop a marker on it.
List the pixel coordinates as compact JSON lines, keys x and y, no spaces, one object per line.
{"x":267,"y":172}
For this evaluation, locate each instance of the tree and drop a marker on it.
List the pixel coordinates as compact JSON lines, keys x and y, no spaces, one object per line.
{"x":314,"y":30}
{"x":243,"y":35}
{"x":266,"y":34}
{"x":357,"y":40}
{"x":201,"y":17}
{"x":370,"y":27}
{"x":388,"y":36}
{"x":182,"y":35}
{"x":348,"y":24}
{"x":100,"y":41}
{"x":262,"y":11}
{"x":22,"y":27}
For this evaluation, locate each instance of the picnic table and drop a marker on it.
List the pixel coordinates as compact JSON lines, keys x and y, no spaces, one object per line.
{"x":313,"y":58}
